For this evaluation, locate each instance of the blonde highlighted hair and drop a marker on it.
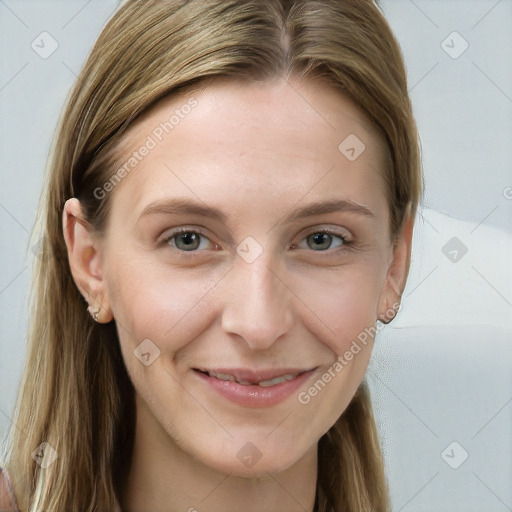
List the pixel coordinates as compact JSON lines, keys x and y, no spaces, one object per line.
{"x":75,"y":392}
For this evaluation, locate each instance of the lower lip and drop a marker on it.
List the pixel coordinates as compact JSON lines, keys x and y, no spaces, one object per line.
{"x":254,"y":395}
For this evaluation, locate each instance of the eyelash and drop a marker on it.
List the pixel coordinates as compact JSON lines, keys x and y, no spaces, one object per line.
{"x":346,"y":243}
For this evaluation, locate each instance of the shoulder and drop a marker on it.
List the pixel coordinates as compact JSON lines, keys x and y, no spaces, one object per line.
{"x":7,"y":498}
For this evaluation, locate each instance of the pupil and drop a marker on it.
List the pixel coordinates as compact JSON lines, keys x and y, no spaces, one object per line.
{"x":188,"y":239}
{"x":321,"y":238}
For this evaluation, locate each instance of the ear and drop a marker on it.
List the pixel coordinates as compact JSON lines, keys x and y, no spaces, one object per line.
{"x":398,"y":270}
{"x":84,"y":257}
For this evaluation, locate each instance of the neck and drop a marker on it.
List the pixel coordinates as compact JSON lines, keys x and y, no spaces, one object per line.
{"x":164,"y":478}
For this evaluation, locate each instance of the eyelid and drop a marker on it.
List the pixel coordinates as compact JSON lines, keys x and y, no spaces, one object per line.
{"x":342,"y":233}
{"x":346,"y":242}
{"x":169,"y":235}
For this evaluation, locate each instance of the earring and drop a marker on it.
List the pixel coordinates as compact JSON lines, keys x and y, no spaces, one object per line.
{"x":95,"y":314}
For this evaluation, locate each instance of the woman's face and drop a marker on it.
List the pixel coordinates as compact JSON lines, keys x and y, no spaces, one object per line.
{"x":244,"y":244}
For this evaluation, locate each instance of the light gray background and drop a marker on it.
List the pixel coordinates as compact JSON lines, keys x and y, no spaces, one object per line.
{"x":442,"y":372}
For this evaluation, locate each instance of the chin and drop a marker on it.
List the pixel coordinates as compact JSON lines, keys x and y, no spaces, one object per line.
{"x":273,"y":464}
{"x":253,"y":459}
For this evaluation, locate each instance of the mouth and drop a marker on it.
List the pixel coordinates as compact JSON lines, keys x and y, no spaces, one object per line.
{"x":264,"y":378}
{"x":249,"y":388}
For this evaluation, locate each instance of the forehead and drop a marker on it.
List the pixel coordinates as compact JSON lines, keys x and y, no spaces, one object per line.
{"x":226,"y":139}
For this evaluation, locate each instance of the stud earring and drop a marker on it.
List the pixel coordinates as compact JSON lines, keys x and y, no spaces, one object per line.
{"x":95,"y":314}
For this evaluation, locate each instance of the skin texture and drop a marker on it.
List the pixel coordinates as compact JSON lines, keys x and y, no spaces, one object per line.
{"x":257,"y":152}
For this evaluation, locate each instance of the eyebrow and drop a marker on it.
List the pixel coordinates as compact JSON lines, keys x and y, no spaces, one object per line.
{"x":184,"y":206}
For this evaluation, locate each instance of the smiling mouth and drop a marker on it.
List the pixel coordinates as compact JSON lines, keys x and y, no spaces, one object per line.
{"x":245,"y":379}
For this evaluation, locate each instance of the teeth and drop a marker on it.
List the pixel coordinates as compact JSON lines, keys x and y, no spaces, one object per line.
{"x":277,"y":380}
{"x":222,"y":376}
{"x":244,"y":382}
{"x":263,"y":383}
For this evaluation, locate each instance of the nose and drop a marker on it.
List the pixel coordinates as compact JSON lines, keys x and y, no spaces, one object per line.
{"x":257,"y":303}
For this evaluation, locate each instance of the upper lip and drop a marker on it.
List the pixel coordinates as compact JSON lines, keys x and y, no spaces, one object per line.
{"x":256,"y":375}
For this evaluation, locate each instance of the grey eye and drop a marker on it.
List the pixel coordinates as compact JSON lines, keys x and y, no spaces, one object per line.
{"x":187,"y":241}
{"x":322,"y":240}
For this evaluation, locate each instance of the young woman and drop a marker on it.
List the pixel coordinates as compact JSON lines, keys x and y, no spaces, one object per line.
{"x":228,"y":212}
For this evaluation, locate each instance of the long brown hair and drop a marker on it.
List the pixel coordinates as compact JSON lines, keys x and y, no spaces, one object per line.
{"x":75,"y":393}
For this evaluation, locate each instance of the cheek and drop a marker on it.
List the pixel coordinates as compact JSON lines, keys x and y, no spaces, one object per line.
{"x":344,"y":303}
{"x":151,"y":302}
